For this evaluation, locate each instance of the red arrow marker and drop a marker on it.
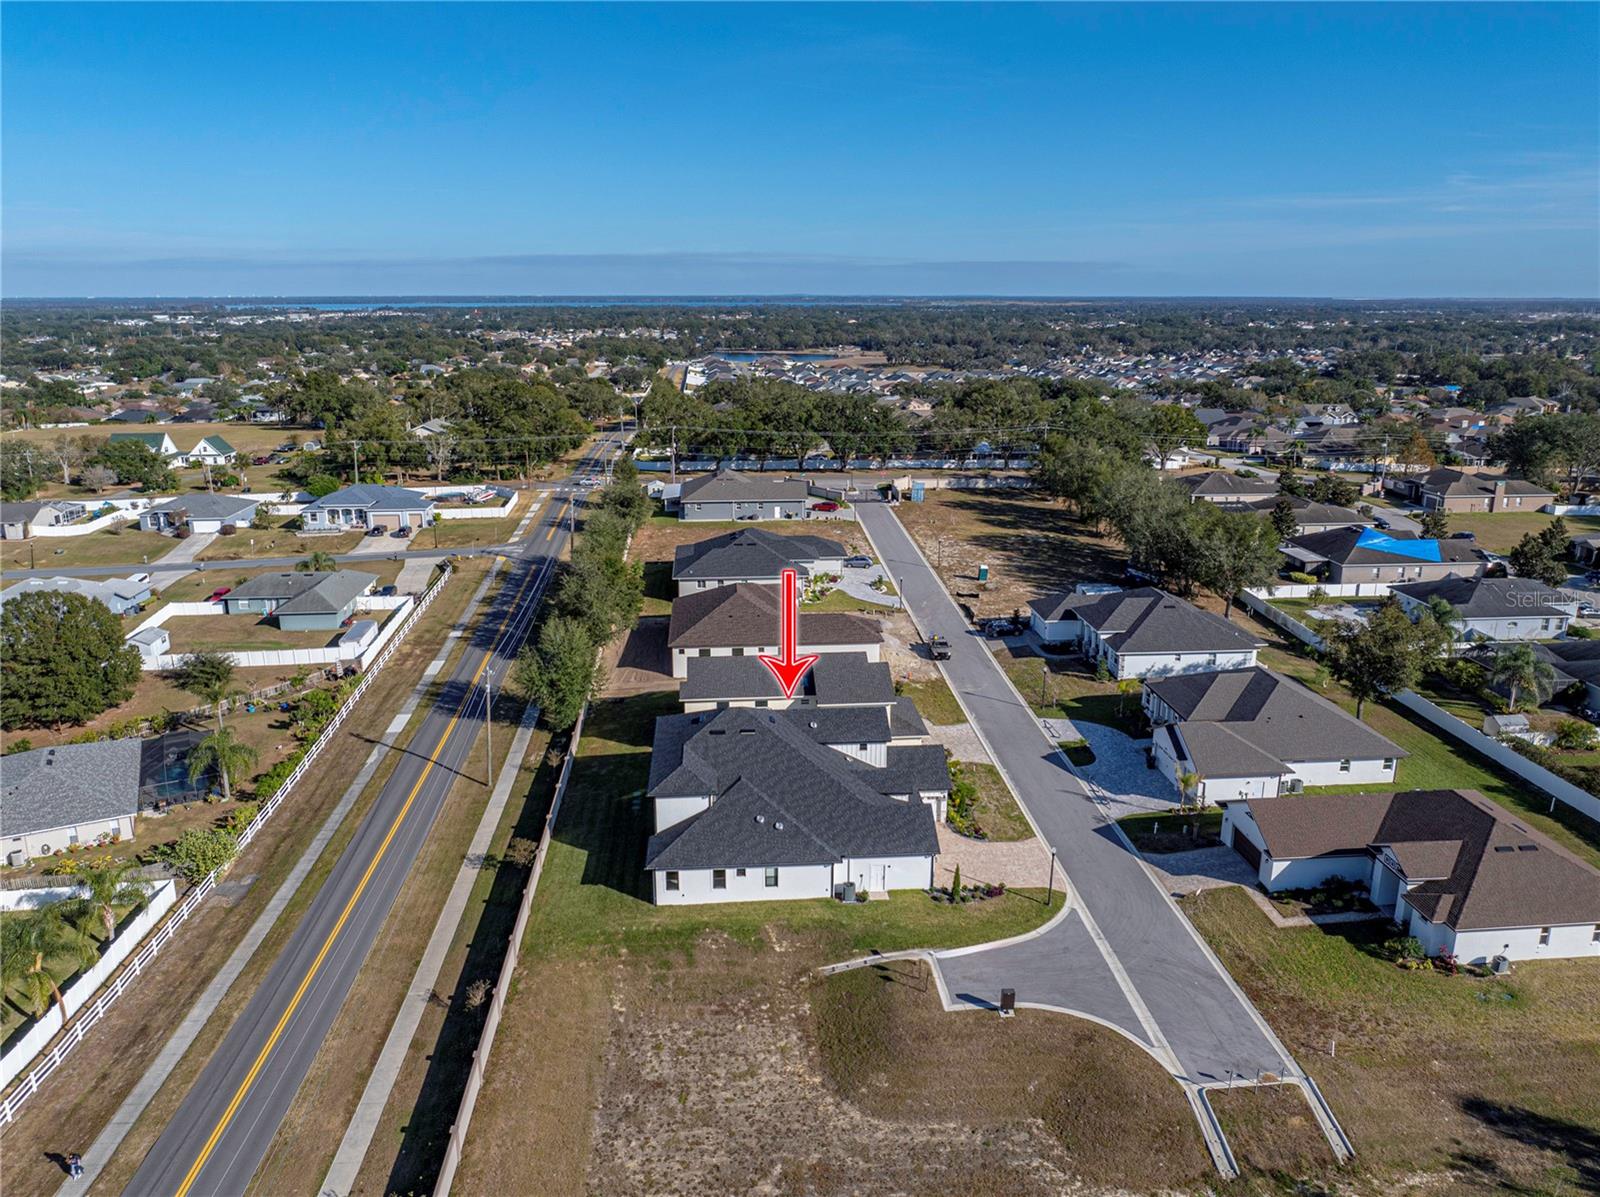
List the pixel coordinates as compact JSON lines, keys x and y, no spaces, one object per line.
{"x":788,"y":669}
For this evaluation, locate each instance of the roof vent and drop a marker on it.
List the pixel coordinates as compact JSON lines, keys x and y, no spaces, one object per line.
{"x":747,"y":731}
{"x":777,"y":826}
{"x":1504,"y":848}
{"x":761,"y":818}
{"x":719,"y":731}
{"x":813,"y":723}
{"x":1527,"y":847}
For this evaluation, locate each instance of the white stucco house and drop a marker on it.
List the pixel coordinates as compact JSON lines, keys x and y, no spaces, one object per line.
{"x":203,"y":513}
{"x":763,"y":805}
{"x":743,"y":621}
{"x":1457,"y":871}
{"x":1147,"y":632}
{"x":1252,"y":733}
{"x":1054,"y":617}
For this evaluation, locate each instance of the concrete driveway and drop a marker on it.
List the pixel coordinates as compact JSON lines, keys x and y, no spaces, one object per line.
{"x":857,"y":583}
{"x":187,"y":549}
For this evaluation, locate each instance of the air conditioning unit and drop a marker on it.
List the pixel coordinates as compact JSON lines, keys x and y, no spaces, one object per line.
{"x":1295,"y":785}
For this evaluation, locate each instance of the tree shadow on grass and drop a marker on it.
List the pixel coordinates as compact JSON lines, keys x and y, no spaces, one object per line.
{"x":1578,"y":1145}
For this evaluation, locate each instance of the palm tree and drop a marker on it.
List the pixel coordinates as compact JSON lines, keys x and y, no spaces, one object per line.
{"x":1448,"y":621}
{"x":208,"y":676}
{"x":319,"y":562}
{"x":31,"y":941}
{"x":1189,"y":786}
{"x":222,"y":752}
{"x":1519,"y":669}
{"x":108,"y":886}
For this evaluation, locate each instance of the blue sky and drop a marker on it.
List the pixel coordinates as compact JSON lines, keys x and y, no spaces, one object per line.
{"x":1411,"y":150}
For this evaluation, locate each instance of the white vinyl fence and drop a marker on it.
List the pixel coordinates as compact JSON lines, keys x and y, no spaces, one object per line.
{"x":77,"y":1027}
{"x":83,"y":529}
{"x":26,"y":1046}
{"x":359,"y":651}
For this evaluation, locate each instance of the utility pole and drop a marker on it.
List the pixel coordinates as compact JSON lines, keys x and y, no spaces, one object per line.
{"x":355,"y":463}
{"x":1050,"y":882}
{"x":488,"y":730}
{"x":674,"y":473}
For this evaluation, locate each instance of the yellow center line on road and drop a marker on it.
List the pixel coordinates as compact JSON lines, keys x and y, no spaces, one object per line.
{"x":327,"y":945}
{"x":555,"y":519}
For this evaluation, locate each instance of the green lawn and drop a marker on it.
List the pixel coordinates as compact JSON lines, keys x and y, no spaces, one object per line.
{"x":278,"y":541}
{"x":839,"y":600}
{"x":122,"y":544}
{"x":1056,"y":689}
{"x":1500,"y":531}
{"x":15,"y":1015}
{"x":657,"y":588}
{"x":1498,"y":1079}
{"x":935,"y":702}
{"x":1170,"y":831}
{"x":594,"y":895}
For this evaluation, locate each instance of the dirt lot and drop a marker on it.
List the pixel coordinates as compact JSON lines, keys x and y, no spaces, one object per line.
{"x":661,"y":535}
{"x":83,"y":1095}
{"x":640,"y":661}
{"x":1031,"y":546}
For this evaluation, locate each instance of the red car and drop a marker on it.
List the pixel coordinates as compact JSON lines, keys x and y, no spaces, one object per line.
{"x":216,"y":595}
{"x":824,"y":507}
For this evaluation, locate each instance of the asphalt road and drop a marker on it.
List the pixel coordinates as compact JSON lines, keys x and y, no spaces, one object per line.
{"x":222,"y":1131}
{"x":1188,"y":1000}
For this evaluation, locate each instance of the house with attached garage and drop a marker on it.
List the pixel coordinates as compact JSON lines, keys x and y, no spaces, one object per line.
{"x":1575,"y":662}
{"x":1459,"y":872}
{"x":753,"y":555}
{"x":1146,"y":632}
{"x":156,"y":442}
{"x":202,"y":513}
{"x":1495,"y":608}
{"x":753,"y":805}
{"x":1448,"y":489}
{"x":731,"y":495}
{"x":368,"y":506}
{"x":301,"y":602}
{"x":1369,"y":555}
{"x":743,"y":621}
{"x":18,"y":520}
{"x":1309,"y":515}
{"x":1054,"y":617}
{"x":54,"y":798}
{"x":838,"y":681}
{"x":1252,"y":733}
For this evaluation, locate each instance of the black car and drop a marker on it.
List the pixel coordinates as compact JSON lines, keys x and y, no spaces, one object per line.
{"x":1462,"y":536}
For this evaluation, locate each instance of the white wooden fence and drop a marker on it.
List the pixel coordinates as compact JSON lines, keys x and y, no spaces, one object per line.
{"x":92,"y":1013}
{"x":26,"y":1046}
{"x":502,"y":987}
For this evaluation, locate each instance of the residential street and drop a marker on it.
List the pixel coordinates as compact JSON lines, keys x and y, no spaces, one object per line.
{"x":1181,"y":994}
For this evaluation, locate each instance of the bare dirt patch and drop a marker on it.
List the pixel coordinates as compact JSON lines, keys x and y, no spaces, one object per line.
{"x":640,"y":661}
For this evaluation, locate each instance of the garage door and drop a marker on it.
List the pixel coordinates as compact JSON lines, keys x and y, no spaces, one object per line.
{"x":1243,"y":846}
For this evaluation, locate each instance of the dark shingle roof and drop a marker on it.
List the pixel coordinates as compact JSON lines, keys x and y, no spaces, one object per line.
{"x":49,"y":788}
{"x":1503,"y":873}
{"x":1274,"y":716}
{"x":373,"y":497}
{"x":1452,"y":482}
{"x":1147,"y":620}
{"x":751,"y":553}
{"x":1220,"y":482}
{"x":747,"y":616}
{"x":1364,"y":546}
{"x":815,"y":805}
{"x":1485,"y":598}
{"x":731,"y":486}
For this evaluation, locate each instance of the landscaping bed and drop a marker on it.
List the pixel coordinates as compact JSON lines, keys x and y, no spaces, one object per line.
{"x":1174,"y":831}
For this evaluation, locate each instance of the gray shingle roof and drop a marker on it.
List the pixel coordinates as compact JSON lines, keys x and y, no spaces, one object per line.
{"x":1237,"y":717}
{"x":307,"y":593}
{"x":1486,"y":598}
{"x":746,"y":616}
{"x":731,"y":486}
{"x":49,"y":788}
{"x":754,"y":762}
{"x":1503,"y":873}
{"x":1220,"y":482}
{"x":1447,"y":481}
{"x":374,"y":498}
{"x":1147,"y":620}
{"x":206,"y":506}
{"x":1342,"y":545}
{"x":751,"y":553}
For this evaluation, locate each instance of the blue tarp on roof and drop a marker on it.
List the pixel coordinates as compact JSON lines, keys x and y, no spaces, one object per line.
{"x":1382,"y":542}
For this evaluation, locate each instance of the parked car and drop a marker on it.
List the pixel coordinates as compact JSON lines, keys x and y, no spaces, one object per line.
{"x":826,"y":505}
{"x":1462,"y":536}
{"x":263,"y":459}
{"x":403,"y":531}
{"x":1588,"y":610}
{"x":860,"y":562}
{"x":939,"y":648}
{"x":387,"y":591}
{"x":375,"y":530}
{"x":216,"y":595}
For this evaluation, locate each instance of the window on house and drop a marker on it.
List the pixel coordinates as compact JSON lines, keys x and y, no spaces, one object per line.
{"x":704,"y":652}
{"x":861,"y":747}
{"x":772,"y":883}
{"x":738,"y":872}
{"x":762,"y":702}
{"x":1344,"y":765}
{"x":719,"y":878}
{"x":738,"y":652}
{"x":1544,"y":937}
{"x":672,"y":879}
{"x":1388,"y":762}
{"x":1596,"y":936}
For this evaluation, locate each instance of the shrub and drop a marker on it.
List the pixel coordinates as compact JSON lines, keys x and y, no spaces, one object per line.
{"x":1575,"y":735}
{"x":270,"y":782}
{"x":196,"y":853}
{"x":1302,"y":579}
{"x":1578,"y":631}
